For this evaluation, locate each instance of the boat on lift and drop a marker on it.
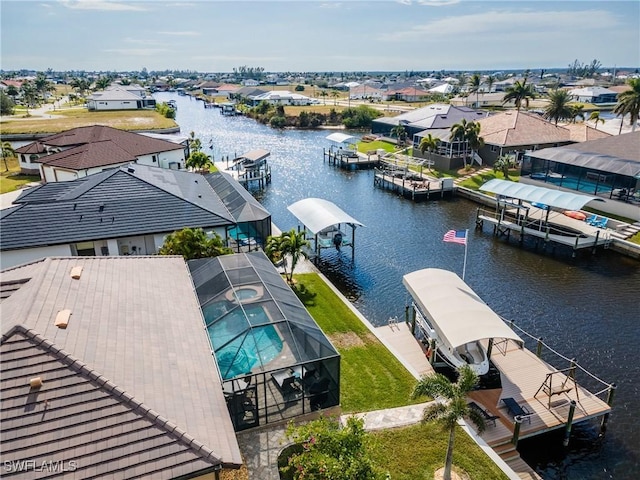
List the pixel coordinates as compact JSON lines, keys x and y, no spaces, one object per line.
{"x":450,"y":314}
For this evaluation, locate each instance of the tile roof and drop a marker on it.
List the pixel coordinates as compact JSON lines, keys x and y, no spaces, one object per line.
{"x":581,"y":132}
{"x":514,"y":128}
{"x":625,"y":147}
{"x":133,"y":143}
{"x":90,"y":155}
{"x":130,"y":387}
{"x":134,"y":200}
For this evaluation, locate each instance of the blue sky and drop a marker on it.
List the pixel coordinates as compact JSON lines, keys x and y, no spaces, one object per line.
{"x":352,"y":35}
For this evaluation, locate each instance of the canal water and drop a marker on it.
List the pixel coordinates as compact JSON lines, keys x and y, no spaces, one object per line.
{"x":586,"y":307}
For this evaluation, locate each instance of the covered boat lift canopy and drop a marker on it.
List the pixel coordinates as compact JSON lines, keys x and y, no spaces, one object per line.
{"x":541,"y":195}
{"x":342,"y":138}
{"x":457,"y":314}
{"x":323,"y":219}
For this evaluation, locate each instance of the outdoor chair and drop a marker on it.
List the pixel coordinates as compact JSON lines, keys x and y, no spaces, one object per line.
{"x":591,"y":220}
{"x":488,"y":418}
{"x":516,"y":409}
{"x":602,"y":223}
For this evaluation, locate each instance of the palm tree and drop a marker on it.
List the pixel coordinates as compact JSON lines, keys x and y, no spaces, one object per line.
{"x":558,"y":107}
{"x":193,"y":243}
{"x":629,"y":104}
{"x":335,"y":94}
{"x":293,"y":244}
{"x":491,"y":79}
{"x":7,"y":152}
{"x":469,"y":133}
{"x":428,"y":144}
{"x":577,"y":111}
{"x":595,"y":117}
{"x":102,"y":83}
{"x":474,"y":85}
{"x":503,"y":163}
{"x":400,"y":133}
{"x":519,"y":92}
{"x":453,"y":406}
{"x":324,"y":95}
{"x":29,"y":95}
{"x":199,"y":161}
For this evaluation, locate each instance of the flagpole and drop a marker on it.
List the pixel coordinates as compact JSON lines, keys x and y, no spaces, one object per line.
{"x":466,"y":241}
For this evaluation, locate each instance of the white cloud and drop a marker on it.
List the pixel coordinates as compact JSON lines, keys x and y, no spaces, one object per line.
{"x":101,"y":5}
{"x":508,"y":21}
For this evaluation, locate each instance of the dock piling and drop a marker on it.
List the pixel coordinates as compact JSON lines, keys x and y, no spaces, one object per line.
{"x":567,"y":429}
{"x":539,"y":348}
{"x":517,"y":422}
{"x":605,"y":418}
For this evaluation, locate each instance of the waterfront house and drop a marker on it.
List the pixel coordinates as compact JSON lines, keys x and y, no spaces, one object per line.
{"x":83,"y":151}
{"x":118,"y":98}
{"x":126,"y":211}
{"x":282,"y":97}
{"x":607,"y":167}
{"x":107,"y":372}
{"x":513,"y":132}
{"x":596,"y":95}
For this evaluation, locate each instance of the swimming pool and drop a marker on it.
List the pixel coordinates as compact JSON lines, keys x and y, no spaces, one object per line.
{"x":241,"y":342}
{"x":584,"y":185}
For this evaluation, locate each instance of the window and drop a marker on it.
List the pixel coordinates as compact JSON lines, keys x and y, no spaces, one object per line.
{"x":154,"y":158}
{"x":494,"y":148}
{"x":85,"y":249}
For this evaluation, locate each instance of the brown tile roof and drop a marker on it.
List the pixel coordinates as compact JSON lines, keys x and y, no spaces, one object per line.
{"x":136,"y":322}
{"x":111,"y":145}
{"x":513,"y":128}
{"x":36,"y":147}
{"x":82,"y":420}
{"x":580,"y":132}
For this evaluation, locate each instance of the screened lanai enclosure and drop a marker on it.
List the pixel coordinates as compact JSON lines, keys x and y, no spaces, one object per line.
{"x":274,"y":360}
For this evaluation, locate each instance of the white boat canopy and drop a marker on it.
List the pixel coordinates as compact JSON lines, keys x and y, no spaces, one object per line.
{"x":317,"y":214}
{"x":531,"y":193}
{"x":457,"y":314}
{"x":341,"y":138}
{"x":254,"y":155}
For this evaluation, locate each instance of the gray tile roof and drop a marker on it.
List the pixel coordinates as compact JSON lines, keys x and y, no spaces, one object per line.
{"x":130,"y":386}
{"x":135,"y":200}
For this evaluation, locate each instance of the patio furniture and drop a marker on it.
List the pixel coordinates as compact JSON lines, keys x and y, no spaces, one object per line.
{"x":286,"y":381}
{"x":517,"y":410}
{"x":488,"y":418}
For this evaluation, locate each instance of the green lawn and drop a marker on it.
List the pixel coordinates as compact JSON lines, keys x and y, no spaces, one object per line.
{"x":475,"y":182}
{"x":11,"y":179}
{"x":416,"y":452}
{"x":371,"y":378}
{"x":364,"y":147}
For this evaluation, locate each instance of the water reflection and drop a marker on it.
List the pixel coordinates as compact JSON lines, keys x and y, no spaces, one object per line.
{"x":587,"y":307}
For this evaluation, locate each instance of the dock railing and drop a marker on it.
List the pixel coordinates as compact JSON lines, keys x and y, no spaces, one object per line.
{"x":573,"y":365}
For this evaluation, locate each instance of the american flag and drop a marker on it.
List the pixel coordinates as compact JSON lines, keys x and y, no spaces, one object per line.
{"x":456,"y":236}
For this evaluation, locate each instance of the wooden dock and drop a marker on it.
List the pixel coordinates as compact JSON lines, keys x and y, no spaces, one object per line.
{"x":350,"y":159}
{"x":415,"y":186}
{"x":522,"y":374}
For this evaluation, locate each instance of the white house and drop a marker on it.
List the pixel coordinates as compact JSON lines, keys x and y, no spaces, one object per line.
{"x":118,"y":98}
{"x":283,"y":97}
{"x":250,"y":82}
{"x":593,"y":95}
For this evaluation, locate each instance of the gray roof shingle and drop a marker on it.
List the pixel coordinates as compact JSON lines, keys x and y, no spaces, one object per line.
{"x":135,"y":200}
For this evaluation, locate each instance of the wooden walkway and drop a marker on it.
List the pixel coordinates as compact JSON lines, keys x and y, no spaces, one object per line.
{"x":522,"y":374}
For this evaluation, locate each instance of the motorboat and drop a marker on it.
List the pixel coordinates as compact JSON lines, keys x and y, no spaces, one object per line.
{"x":449,"y":314}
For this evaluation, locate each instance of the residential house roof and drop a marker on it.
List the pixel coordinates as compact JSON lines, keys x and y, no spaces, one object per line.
{"x":132,"y":200}
{"x":115,"y":94}
{"x":129,"y":387}
{"x":102,"y":146}
{"x":436,"y":115}
{"x":514,"y":128}
{"x":581,"y":132}
{"x":590,"y":91}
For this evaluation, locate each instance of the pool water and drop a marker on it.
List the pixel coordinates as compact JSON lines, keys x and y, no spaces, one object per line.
{"x":586,"y":186}
{"x":239,"y":345}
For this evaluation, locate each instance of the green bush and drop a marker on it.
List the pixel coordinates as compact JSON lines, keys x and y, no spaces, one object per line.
{"x":278,"y":121}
